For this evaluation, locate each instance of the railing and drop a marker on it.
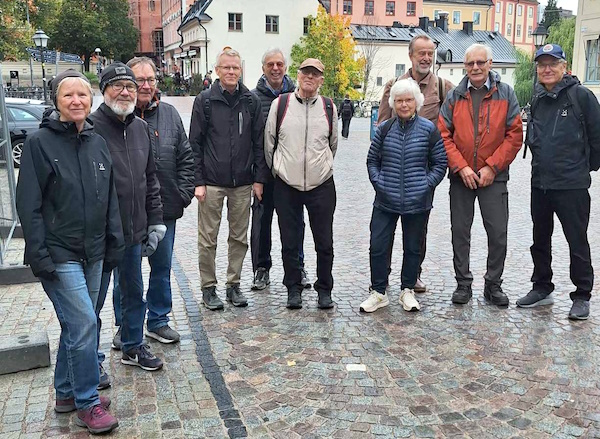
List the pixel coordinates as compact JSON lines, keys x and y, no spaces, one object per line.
{"x":24,"y":92}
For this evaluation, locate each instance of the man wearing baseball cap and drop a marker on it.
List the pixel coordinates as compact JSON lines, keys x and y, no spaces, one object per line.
{"x":300,"y":144}
{"x":140,"y":205}
{"x":564,"y":137}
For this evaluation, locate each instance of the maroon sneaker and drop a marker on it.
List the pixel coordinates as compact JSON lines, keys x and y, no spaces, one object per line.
{"x":96,"y":419}
{"x":68,"y":405}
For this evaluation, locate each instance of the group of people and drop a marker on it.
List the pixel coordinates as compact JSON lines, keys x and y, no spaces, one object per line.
{"x":98,"y":192}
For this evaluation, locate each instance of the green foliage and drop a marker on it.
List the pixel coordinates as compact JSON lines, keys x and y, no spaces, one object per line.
{"x":563,"y":34}
{"x":523,"y":77}
{"x":92,"y":77}
{"x":329,"y":40}
{"x":551,"y":14}
{"x":15,"y":34}
{"x":196,"y":84}
{"x":167,"y":85}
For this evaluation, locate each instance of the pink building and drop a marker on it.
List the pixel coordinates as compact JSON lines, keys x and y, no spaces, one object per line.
{"x":172,"y":13}
{"x":376,"y":12}
{"x":515,"y":20}
{"x":146,"y":18}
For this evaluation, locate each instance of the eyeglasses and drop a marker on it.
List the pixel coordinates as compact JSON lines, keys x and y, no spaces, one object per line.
{"x":118,"y":87}
{"x":273,"y":64}
{"x":404,"y":101}
{"x":311,"y":72}
{"x":552,"y":65}
{"x":471,"y":64}
{"x":140,"y":81}
{"x":232,"y":68}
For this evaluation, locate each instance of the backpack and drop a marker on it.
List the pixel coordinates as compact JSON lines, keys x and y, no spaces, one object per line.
{"x":282,"y":106}
{"x":205,"y":84}
{"x":205,"y":96}
{"x":347,"y":109}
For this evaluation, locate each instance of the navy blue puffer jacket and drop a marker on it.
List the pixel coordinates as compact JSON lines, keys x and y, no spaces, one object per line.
{"x":406,"y":165}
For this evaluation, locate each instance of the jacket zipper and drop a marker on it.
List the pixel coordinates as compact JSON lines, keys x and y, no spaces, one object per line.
{"x":475,"y":135}
{"x":96,"y":178}
{"x":555,"y":122}
{"x":305,"y":144}
{"x":83,"y":192}
{"x":132,"y":183}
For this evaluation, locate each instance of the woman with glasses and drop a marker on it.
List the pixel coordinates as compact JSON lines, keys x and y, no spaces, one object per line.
{"x":69,"y":211}
{"x":406,"y":162}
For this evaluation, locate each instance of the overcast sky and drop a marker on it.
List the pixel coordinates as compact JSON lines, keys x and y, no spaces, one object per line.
{"x":565,"y":4}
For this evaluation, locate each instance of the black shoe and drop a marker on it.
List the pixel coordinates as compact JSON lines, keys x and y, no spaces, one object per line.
{"x":164,"y":334}
{"x":116,"y":343}
{"x":104,"y":379}
{"x":142,"y":357}
{"x":494,"y":293}
{"x":261,"y":279}
{"x":305,"y":281}
{"x":210,"y":298}
{"x":580,"y":310}
{"x":325,"y":301}
{"x":535,"y":298}
{"x":235,"y":296}
{"x":294,"y":299}
{"x":462,"y":294}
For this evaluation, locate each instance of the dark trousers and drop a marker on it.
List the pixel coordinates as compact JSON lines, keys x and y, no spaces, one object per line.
{"x":383,"y":227}
{"x":493,"y":204}
{"x":265,"y":242}
{"x":572,"y":207}
{"x":320,"y":204}
{"x":345,"y":127}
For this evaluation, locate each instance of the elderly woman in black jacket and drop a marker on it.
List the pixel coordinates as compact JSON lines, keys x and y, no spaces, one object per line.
{"x":406,"y":162}
{"x":69,"y":212}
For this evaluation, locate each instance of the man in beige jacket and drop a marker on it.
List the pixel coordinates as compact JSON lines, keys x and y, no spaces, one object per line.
{"x":300,"y":143}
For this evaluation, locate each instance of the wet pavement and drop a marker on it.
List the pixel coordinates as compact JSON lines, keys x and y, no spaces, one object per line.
{"x":264,"y":371}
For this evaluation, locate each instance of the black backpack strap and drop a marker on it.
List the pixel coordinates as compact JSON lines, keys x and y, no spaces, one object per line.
{"x":328,"y":107}
{"x":533,"y":105}
{"x":385,"y":128}
{"x":282,"y":106}
{"x":206,"y":108}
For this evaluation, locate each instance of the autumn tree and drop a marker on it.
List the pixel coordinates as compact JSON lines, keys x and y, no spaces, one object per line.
{"x":15,"y":34}
{"x":330,"y":40}
{"x":563,"y":34}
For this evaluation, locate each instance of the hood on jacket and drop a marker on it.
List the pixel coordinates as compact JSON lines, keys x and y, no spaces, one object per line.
{"x":566,"y":82}
{"x":461,"y":88}
{"x":288,"y":85}
{"x":51,"y":120}
{"x":151,"y":107}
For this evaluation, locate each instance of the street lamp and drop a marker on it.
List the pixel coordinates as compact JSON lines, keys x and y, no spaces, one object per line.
{"x":40,"y":39}
{"x":98,"y":67}
{"x":540,"y":34}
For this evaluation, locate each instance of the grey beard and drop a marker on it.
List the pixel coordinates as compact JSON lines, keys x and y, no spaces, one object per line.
{"x":118,"y":108}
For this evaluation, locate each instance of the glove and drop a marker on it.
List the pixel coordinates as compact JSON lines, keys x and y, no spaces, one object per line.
{"x":108,"y":266}
{"x":150,"y":244}
{"x":50,"y":276}
{"x":159,"y":229}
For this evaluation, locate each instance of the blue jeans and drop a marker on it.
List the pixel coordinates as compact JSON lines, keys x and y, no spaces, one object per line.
{"x":383,"y":228}
{"x":158,"y":296}
{"x":74,"y":298}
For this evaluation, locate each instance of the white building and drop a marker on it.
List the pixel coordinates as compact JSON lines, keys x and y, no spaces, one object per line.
{"x":250,"y":27}
{"x":586,"y":50}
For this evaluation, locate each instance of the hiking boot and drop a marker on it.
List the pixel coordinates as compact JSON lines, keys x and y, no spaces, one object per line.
{"x":164,"y":334}
{"x":142,"y":357}
{"x":304,"y":281}
{"x":104,"y":382}
{"x":294,"y":299}
{"x":68,"y":405}
{"x":261,"y":279}
{"x":408,"y":301}
{"x":374,"y":301}
{"x":96,"y":419}
{"x":210,"y":298}
{"x":580,"y":310}
{"x":117,"y":344}
{"x":462,"y":294}
{"x":535,"y":298}
{"x":325,"y":301}
{"x":494,"y":293}
{"x":420,"y":287}
{"x":235,"y":296}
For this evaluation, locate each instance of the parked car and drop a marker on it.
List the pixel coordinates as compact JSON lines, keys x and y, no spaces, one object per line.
{"x":23,"y":117}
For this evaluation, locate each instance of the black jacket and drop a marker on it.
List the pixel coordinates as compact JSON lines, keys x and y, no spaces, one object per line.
{"x":555,"y":137}
{"x":346,"y":110}
{"x":266,"y":96}
{"x":228,"y":149}
{"x":135,"y":174}
{"x":66,"y":197}
{"x":173,"y":157}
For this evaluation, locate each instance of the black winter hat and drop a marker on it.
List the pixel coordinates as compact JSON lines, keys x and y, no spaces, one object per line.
{"x":115,"y":72}
{"x":69,"y":73}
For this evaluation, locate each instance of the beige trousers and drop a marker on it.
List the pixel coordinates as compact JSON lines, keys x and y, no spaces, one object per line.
{"x":209,"y":221}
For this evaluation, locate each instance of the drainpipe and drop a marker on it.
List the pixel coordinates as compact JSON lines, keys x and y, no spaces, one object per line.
{"x":205,"y":44}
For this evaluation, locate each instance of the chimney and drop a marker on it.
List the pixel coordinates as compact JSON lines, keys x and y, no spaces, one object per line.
{"x":396,"y":24}
{"x":424,"y":23}
{"x":468,"y":27}
{"x":442,"y":21}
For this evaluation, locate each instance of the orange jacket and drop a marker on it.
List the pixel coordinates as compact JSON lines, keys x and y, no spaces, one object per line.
{"x":500,"y":130}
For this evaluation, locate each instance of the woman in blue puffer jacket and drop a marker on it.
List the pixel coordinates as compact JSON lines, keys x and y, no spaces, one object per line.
{"x":406,"y":162}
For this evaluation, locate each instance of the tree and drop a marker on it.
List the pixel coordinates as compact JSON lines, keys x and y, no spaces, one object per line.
{"x":329,"y":40}
{"x":15,"y":34}
{"x":551,"y":14}
{"x":369,"y":48}
{"x":524,"y":77}
{"x":563,"y":34}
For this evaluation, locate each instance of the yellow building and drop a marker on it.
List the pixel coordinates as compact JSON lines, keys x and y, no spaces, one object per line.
{"x":586,"y":51}
{"x":478,"y":11}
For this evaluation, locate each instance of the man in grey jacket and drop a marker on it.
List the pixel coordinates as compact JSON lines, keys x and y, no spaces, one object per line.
{"x":301,"y":160}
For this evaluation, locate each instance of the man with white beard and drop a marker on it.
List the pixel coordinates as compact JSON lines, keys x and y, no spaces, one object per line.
{"x":141,"y":209}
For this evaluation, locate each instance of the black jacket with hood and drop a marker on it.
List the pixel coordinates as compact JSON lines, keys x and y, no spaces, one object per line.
{"x":173,"y":157}
{"x":266,"y":96}
{"x":135,"y":173}
{"x":66,"y":197}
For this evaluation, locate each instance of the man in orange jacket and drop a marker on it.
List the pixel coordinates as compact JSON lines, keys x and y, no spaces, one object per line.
{"x":481,"y":127}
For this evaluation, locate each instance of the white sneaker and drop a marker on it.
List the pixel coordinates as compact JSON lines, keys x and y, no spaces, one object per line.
{"x":374,"y":302}
{"x":420,"y":286}
{"x":408,"y":301}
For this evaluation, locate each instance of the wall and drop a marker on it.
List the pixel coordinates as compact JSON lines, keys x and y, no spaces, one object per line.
{"x":146,"y":18}
{"x":454,"y":73}
{"x":384,"y":67}
{"x":379,"y":16}
{"x":502,"y":20}
{"x":466,"y":14}
{"x":24,"y":73}
{"x":587,"y":29}
{"x":171,"y":19}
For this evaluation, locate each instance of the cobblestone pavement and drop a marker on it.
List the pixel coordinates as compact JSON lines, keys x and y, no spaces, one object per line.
{"x":264,"y":371}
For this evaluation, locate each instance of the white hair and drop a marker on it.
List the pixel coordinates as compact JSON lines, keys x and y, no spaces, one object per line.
{"x":477,"y":46}
{"x":271,"y":52}
{"x":407,"y":86}
{"x":228,"y":51}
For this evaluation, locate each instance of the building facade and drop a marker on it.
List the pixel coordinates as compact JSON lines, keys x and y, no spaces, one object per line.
{"x":586,"y":50}
{"x":516,"y":20}
{"x":480,"y":12}
{"x":377,"y":12}
{"x":146,"y":18}
{"x":172,"y":13}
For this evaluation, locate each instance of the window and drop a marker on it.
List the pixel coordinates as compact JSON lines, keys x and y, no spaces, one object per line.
{"x":496,"y":27}
{"x":306,"y":25}
{"x":20,"y":115}
{"x":592,"y":67}
{"x":451,"y":71}
{"x":519,"y":10}
{"x":272,"y":24}
{"x":510,"y":8}
{"x":390,"y":8}
{"x":347,"y":7}
{"x":235,"y":21}
{"x":436,"y":13}
{"x":379,"y":81}
{"x":518,"y":30}
{"x":464,"y":72}
{"x":411,"y":9}
{"x":529,"y":31}
{"x":151,"y":5}
{"x":499,"y":7}
{"x":369,"y":7}
{"x":400,"y":70}
{"x":504,"y":70}
{"x":508,"y":29}
{"x":456,"y":17}
{"x":157,"y":41}
{"x":530,"y":12}
{"x":476,"y":18}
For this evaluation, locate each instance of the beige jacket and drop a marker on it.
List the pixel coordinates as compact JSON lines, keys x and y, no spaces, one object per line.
{"x":304,"y":155}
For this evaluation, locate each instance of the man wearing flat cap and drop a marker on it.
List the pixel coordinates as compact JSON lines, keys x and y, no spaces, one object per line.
{"x":564,"y":137}
{"x":300,"y":144}
{"x":138,"y":190}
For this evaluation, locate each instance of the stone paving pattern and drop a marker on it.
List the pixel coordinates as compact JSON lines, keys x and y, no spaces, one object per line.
{"x":267,"y":372}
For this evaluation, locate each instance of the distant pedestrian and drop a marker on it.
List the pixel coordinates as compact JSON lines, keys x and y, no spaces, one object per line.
{"x":346,"y":112}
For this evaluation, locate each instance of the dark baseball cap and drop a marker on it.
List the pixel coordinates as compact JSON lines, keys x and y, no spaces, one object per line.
{"x":553,"y":50}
